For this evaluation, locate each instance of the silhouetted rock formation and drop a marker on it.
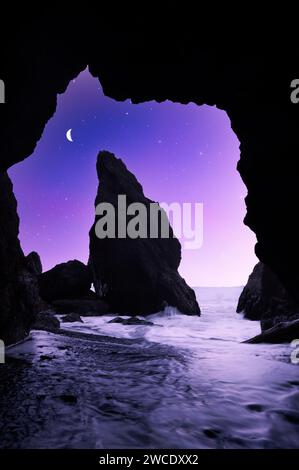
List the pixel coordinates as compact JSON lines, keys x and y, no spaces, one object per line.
{"x":284,"y":332}
{"x":264,"y":298}
{"x":19,"y":296}
{"x":33,"y":263}
{"x":67,"y":288}
{"x":86,"y":307}
{"x":138,"y":276}
{"x":69,"y":280}
{"x":71,"y":318}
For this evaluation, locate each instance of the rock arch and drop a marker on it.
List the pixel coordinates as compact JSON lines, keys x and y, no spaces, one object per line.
{"x":253,"y":89}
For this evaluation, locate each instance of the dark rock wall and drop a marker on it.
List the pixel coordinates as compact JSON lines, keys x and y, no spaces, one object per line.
{"x":264,"y":298}
{"x":19,"y":298}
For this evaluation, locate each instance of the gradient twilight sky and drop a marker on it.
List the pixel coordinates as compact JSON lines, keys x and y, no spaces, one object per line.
{"x":179,"y":153}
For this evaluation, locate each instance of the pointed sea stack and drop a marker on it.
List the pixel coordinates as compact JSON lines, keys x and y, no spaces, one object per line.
{"x":135,"y":276}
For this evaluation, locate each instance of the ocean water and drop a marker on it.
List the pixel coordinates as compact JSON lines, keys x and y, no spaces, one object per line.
{"x":186,"y":382}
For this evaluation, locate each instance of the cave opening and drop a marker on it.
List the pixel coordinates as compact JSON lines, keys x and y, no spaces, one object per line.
{"x":179,"y":153}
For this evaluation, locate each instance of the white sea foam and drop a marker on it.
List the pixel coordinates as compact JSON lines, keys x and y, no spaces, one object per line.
{"x":218,"y":321}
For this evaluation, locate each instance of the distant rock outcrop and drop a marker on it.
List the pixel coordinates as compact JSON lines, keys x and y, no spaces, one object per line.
{"x":137,"y":276}
{"x":264,"y":298}
{"x":131,"y":321}
{"x":69,"y":280}
{"x":71,"y":318}
{"x":33,"y":263}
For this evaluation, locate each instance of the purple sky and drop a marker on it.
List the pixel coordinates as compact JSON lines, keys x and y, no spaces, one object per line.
{"x":179,"y":153}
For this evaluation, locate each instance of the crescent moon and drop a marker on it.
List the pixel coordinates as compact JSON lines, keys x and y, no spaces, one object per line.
{"x":69,"y":135}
